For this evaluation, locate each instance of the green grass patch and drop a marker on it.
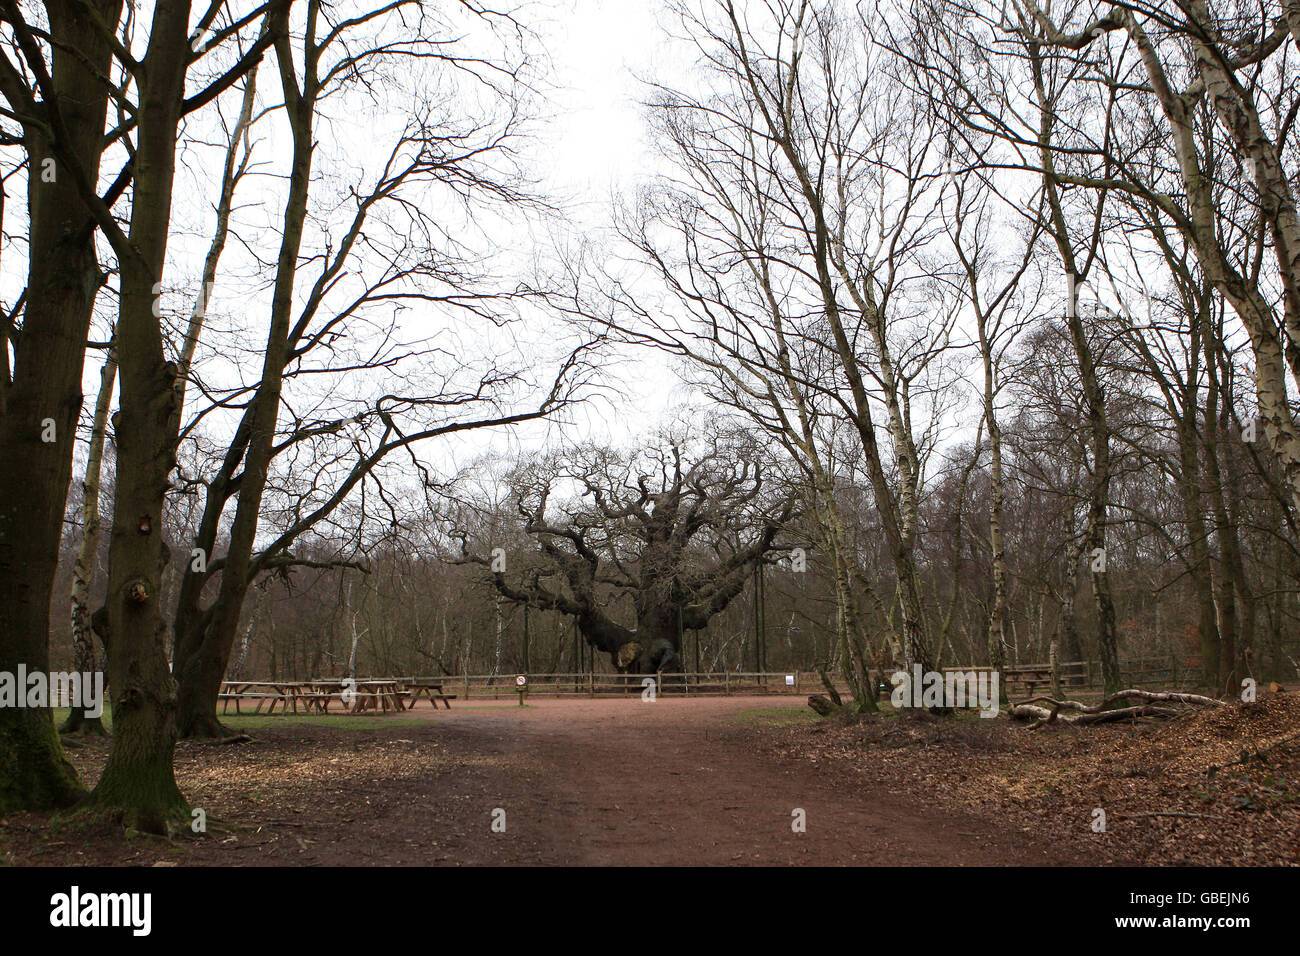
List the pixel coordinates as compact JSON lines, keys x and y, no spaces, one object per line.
{"x":61,"y":714}
{"x":776,"y":716}
{"x":258,"y":721}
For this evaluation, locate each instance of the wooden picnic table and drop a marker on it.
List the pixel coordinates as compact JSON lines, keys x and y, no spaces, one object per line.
{"x":313,"y":695}
{"x":1030,"y":675}
{"x":285,"y":693}
{"x":432,"y":690}
{"x":382,"y":695}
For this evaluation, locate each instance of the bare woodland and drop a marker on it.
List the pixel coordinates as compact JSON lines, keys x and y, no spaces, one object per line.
{"x":988,"y":315}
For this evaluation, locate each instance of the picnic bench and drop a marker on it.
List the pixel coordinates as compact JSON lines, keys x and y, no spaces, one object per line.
{"x":314,"y":696}
{"x":379,"y":695}
{"x":1030,"y":676}
{"x":382,"y":695}
{"x":1027,"y":676}
{"x":226,"y":697}
{"x":285,"y":693}
{"x":431,"y":690}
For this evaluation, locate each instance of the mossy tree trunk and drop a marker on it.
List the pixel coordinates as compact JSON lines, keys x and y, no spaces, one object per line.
{"x":138,"y":783}
{"x":40,"y":393}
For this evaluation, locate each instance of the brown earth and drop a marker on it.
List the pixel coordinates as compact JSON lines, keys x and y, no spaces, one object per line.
{"x":581,"y":782}
{"x":1219,"y":786}
{"x":708,"y":781}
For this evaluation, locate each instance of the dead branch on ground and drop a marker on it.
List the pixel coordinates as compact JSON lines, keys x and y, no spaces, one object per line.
{"x":1103,"y":713}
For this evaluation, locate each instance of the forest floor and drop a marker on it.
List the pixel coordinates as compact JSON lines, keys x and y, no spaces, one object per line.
{"x":717,"y":780}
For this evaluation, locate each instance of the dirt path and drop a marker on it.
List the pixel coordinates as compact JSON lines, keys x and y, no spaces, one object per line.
{"x":681,"y":781}
{"x":579,"y":781}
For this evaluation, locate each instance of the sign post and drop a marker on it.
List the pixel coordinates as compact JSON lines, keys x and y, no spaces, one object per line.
{"x":521,"y":685}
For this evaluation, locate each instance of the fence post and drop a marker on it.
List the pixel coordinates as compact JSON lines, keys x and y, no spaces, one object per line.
{"x":726,"y":682}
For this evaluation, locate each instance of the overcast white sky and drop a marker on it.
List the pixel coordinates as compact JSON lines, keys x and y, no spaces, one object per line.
{"x":594,"y":148}
{"x":595,"y":144}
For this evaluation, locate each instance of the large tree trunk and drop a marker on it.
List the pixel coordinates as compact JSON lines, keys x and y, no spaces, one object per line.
{"x":205,"y":640}
{"x":197,"y":714}
{"x":138,"y":781}
{"x":45,"y":390}
{"x":849,"y":632}
{"x":500,"y":631}
{"x":652,"y":648}
{"x":916,"y":644}
{"x":1107,"y":636}
{"x":1227,"y":573}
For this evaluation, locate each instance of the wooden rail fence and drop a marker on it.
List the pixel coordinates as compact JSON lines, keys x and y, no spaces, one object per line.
{"x":1026,"y":679}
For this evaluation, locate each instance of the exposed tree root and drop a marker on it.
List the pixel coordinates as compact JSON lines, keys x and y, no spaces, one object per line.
{"x":220,"y":741}
{"x":165,"y":824}
{"x":205,"y":727}
{"x":1101,"y":713}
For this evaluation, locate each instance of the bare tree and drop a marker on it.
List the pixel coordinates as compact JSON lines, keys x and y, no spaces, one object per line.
{"x":435,"y":157}
{"x":674,"y":534}
{"x":801,"y":170}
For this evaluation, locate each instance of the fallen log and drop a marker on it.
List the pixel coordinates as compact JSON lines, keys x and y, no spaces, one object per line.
{"x":222,"y":741}
{"x":822,"y":704}
{"x":1153,"y":695}
{"x":1102,"y":712}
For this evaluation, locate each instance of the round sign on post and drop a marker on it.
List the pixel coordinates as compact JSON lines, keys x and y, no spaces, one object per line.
{"x":521,"y":685}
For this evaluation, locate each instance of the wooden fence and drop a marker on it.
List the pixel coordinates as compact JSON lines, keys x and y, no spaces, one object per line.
{"x":724,"y":683}
{"x":1134,"y":672}
{"x":1024,"y":677}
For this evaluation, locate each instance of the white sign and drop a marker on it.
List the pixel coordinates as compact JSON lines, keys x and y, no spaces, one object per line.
{"x":789,"y":680}
{"x":521,"y":681}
